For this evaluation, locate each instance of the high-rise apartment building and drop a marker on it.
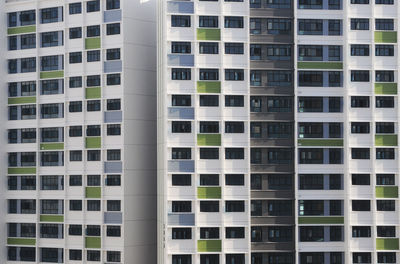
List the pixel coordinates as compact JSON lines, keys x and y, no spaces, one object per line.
{"x":278,"y":123}
{"x":78,"y":104}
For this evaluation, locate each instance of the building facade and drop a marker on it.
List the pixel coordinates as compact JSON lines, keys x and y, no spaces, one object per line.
{"x":80,"y":94}
{"x":319,"y":108}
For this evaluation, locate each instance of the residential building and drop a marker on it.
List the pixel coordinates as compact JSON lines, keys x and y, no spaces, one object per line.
{"x":79,"y":102}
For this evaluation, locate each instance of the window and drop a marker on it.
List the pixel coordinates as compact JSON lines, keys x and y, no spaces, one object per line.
{"x":180,"y":74}
{"x":28,"y":41}
{"x":114,"y":79}
{"x":209,"y":179}
{"x":386,"y":231}
{"x":181,"y":233}
{"x":113,"y":205}
{"x":233,"y":22}
{"x":208,"y":47}
{"x":75,"y":106}
{"x":181,"y":259}
{"x":113,"y":4}
{"x":209,"y":127}
{"x":209,"y":100}
{"x":75,"y":57}
{"x":181,"y":180}
{"x":180,"y":21}
{"x":234,"y":179}
{"x":360,"y":101}
{"x":234,"y":232}
{"x":361,"y":231}
{"x":51,"y":39}
{"x":93,"y":155}
{"x":75,"y":82}
{"x":360,"y":2}
{"x":234,"y":127}
{"x":75,"y":33}
{"x":114,"y":130}
{"x":384,"y":24}
{"x":75,"y":205}
{"x":234,"y":48}
{"x":113,"y":180}
{"x":93,"y":55}
{"x":75,"y":131}
{"x":384,"y":50}
{"x":234,"y":74}
{"x":385,"y":154}
{"x":75,"y":155}
{"x":234,"y":206}
{"x":113,"y":54}
{"x":360,"y":153}
{"x":310,"y":27}
{"x":386,"y":257}
{"x":93,"y":31}
{"x":361,"y":205}
{"x":279,"y":26}
{"x":255,"y":26}
{"x":334,"y":27}
{"x":384,"y":127}
{"x":51,"y":63}
{"x":208,"y":21}
{"x":181,"y":206}
{"x":113,"y":231}
{"x":75,"y":254}
{"x":93,"y":131}
{"x":181,"y":127}
{"x":75,"y":8}
{"x":75,"y":180}
{"x":181,"y":47}
{"x":308,"y":4}
{"x":93,"y":6}
{"x":93,"y":205}
{"x":234,"y":153}
{"x":360,"y":127}
{"x":181,"y":100}
{"x":93,"y":81}
{"x":234,"y":100}
{"x":362,"y":257}
{"x":386,"y":205}
{"x":209,"y":206}
{"x":48,"y":87}
{"x":113,"y":29}
{"x":93,"y":105}
{"x":50,"y":15}
{"x":93,"y":255}
{"x":52,"y":182}
{"x":385,"y":179}
{"x":209,"y":74}
{"x":384,"y":101}
{"x":113,"y":154}
{"x":360,"y":76}
{"x":12,"y":19}
{"x":113,"y":256}
{"x":209,"y":153}
{"x":209,"y":232}
{"x":28,"y":65}
{"x":360,"y":179}
{"x":51,"y":254}
{"x":12,"y":43}
{"x":75,"y":230}
{"x":181,"y":153}
{"x":359,"y":50}
{"x":359,"y":24}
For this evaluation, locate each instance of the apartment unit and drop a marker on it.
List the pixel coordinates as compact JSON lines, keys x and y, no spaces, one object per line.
{"x":79,"y":98}
{"x":320,"y":145}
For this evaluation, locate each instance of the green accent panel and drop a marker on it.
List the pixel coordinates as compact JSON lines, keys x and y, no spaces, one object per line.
{"x":320,"y":142}
{"x":321,"y":220}
{"x":387,"y":244}
{"x":209,"y":192}
{"x":93,"y":93}
{"x":52,"y":74}
{"x":93,"y":142}
{"x":93,"y":192}
{"x":386,"y":191}
{"x":208,"y":87}
{"x":52,"y":218}
{"x":209,"y":245}
{"x":93,"y":242}
{"x":22,"y":100}
{"x":386,"y":88}
{"x":385,"y":140}
{"x":51,"y":146}
{"x":92,"y":43}
{"x":386,"y":36}
{"x":209,"y":139}
{"x":208,"y":34}
{"x":21,"y":30}
{"x":22,"y":170}
{"x":320,"y":65}
{"x":21,"y":241}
